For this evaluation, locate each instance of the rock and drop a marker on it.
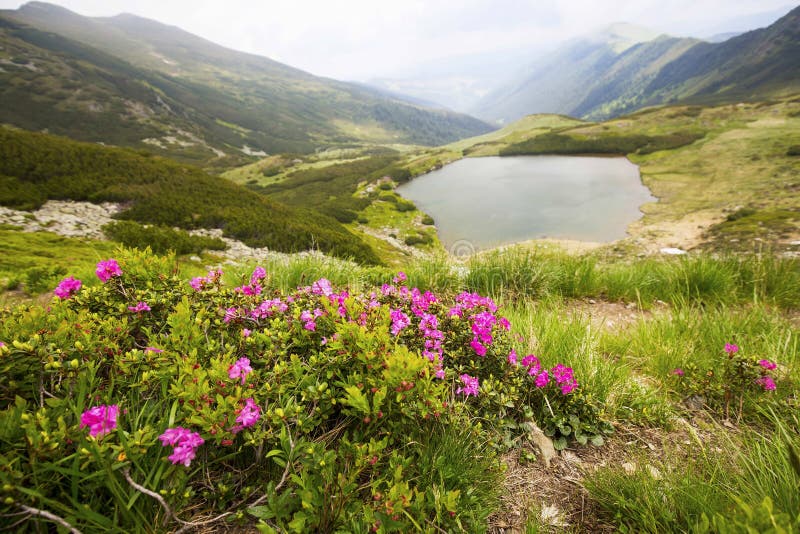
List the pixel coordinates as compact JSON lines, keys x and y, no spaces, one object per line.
{"x":654,"y":472}
{"x":545,"y":444}
{"x":551,"y":515}
{"x":672,"y":251}
{"x":629,"y":467}
{"x":571,"y":457}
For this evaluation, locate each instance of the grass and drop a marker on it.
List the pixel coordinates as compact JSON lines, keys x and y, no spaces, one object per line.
{"x":701,"y":472}
{"x":724,"y":488}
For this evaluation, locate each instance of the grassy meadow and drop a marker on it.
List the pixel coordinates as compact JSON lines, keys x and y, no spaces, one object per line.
{"x":684,"y":420}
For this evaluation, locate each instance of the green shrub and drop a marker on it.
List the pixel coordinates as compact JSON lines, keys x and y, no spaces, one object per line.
{"x":314,"y":410}
{"x":39,"y":167}
{"x":160,"y":239}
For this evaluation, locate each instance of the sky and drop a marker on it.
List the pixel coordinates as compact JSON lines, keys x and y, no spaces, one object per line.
{"x":361,"y":39}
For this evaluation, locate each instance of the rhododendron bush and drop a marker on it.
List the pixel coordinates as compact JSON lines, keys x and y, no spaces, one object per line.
{"x":143,"y":398}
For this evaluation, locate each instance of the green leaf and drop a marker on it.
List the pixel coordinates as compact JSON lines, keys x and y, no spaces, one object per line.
{"x":260,"y":512}
{"x":356,"y":399}
{"x":597,"y":440}
{"x":560,"y":444}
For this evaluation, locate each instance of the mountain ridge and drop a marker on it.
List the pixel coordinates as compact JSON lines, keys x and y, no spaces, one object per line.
{"x":227,"y":100}
{"x":593,"y":81}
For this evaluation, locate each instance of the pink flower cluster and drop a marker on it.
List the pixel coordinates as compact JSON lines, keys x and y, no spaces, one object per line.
{"x":107,"y":269}
{"x":768,"y":365}
{"x":399,"y":321}
{"x":185,"y":443}
{"x":248,"y":415}
{"x":322,"y":287}
{"x":67,"y":287}
{"x":565,"y":378}
{"x":199,"y":283}
{"x":309,"y":319}
{"x":254,"y":288}
{"x":767,"y":383}
{"x":240,"y":369}
{"x":140,"y":307}
{"x":471,"y":385}
{"x":731,"y":349}
{"x":100,"y":419}
{"x":268,"y":308}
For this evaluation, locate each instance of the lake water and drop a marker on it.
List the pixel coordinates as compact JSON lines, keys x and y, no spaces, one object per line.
{"x":480,"y":203}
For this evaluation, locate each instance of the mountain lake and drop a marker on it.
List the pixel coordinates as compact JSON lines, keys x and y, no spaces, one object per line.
{"x":480,"y":203}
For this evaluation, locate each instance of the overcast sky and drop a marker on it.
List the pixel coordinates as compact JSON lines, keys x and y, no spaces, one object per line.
{"x":360,"y":39}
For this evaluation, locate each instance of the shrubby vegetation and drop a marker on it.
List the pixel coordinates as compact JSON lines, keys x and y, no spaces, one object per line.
{"x":147,"y":399}
{"x":37,"y":167}
{"x":160,"y":239}
{"x":331,"y":189}
{"x":558,"y":143}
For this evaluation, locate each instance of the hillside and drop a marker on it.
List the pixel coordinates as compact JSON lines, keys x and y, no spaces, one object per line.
{"x":36,"y":167}
{"x":604,"y":81}
{"x":142,"y":84}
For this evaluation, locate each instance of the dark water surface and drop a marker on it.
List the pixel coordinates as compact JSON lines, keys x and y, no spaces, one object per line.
{"x":486,"y":202}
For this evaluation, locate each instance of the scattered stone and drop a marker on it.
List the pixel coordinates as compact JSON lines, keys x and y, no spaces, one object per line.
{"x":654,"y":472}
{"x":629,"y":467}
{"x":671,"y":251}
{"x":552,"y":516}
{"x":571,"y":457}
{"x":545,"y":444}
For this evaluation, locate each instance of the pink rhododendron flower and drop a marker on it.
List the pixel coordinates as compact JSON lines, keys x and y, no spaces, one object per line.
{"x":185,"y":441}
{"x":399,"y":321}
{"x":153,"y":349}
{"x":322,"y":287}
{"x":67,"y":287}
{"x":478,"y":347}
{"x":470,"y":387}
{"x":512,"y":357}
{"x":100,"y":419}
{"x":400,"y":278}
{"x":246,"y":332}
{"x":240,"y":369}
{"x":250,"y":414}
{"x":542,"y":379}
{"x":259,"y":273}
{"x":768,"y":365}
{"x":678,"y":371}
{"x":182,"y":455}
{"x":731,"y":349}
{"x":440,"y":374}
{"x":140,"y":307}
{"x":197,"y":282}
{"x":565,"y":378}
{"x":767,"y":383}
{"x":107,"y":269}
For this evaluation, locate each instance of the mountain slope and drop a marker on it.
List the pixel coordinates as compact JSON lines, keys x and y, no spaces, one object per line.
{"x":238,"y":103}
{"x":592,"y":79}
{"x":557,"y":82}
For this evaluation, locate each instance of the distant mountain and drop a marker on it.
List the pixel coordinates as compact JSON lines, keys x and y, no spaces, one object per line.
{"x":559,"y":81}
{"x":136,"y":82}
{"x":601,"y":78}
